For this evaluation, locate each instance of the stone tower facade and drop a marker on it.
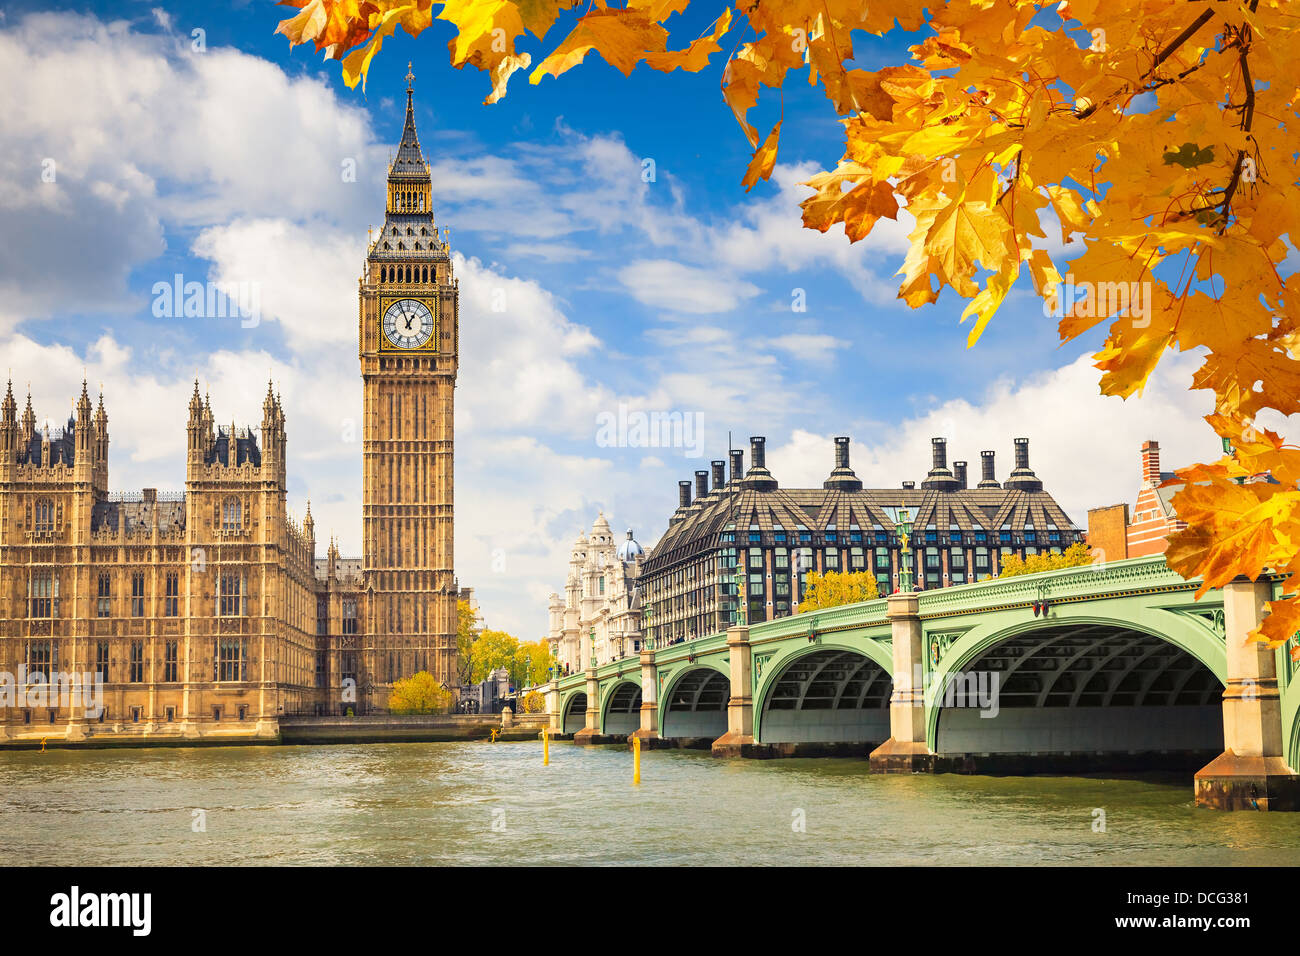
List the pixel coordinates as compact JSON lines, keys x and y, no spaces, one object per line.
{"x":408,"y":336}
{"x":190,"y":613}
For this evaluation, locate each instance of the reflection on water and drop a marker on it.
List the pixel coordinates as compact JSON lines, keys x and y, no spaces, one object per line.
{"x":478,"y":803}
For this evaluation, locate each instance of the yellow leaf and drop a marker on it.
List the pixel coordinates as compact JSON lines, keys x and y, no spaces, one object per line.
{"x":760,"y":167}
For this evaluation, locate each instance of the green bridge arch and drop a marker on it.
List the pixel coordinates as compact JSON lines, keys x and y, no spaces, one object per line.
{"x":767,"y":676}
{"x":1186,"y":632}
{"x":959,"y":625}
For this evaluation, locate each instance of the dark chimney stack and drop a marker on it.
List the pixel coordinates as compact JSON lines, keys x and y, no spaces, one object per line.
{"x":683,"y":494}
{"x":938,"y":454}
{"x":701,"y":484}
{"x":737,"y":464}
{"x":1023,"y":478}
{"x":909,"y":485}
{"x":842,"y":477}
{"x":719,"y":474}
{"x":939,"y":478}
{"x":758,"y":477}
{"x":959,"y":469}
{"x":842,"y":452}
{"x":988,"y":478}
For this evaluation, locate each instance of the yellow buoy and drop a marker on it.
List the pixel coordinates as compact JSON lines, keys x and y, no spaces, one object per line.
{"x":636,"y":759}
{"x":546,"y":748}
{"x":494,"y":735}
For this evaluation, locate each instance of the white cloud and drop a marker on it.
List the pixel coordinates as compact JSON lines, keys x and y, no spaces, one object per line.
{"x":812,"y":348}
{"x":109,"y":133}
{"x":674,"y":287}
{"x":1083,"y":445}
{"x":305,"y":274}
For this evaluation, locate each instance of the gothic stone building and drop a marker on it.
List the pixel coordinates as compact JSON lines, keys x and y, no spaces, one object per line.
{"x":206,"y":613}
{"x":960,"y":534}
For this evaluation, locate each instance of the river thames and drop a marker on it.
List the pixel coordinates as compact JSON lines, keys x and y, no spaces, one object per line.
{"x":480,"y":803}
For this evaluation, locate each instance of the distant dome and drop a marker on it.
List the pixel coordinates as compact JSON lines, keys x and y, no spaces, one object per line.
{"x":629,"y":550}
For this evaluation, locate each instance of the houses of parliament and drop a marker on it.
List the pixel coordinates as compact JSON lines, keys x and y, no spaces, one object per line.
{"x":207,"y":613}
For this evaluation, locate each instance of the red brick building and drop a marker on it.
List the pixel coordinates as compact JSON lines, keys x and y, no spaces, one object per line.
{"x":1117,"y":533}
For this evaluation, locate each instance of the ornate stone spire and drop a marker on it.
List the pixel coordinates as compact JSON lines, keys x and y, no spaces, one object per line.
{"x":83,"y":404}
{"x":29,"y":416}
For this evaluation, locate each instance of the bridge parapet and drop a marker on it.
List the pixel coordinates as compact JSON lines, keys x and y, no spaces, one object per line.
{"x":1092,"y":581}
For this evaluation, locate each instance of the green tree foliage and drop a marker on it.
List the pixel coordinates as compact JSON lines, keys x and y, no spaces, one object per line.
{"x":467,"y":632}
{"x":836,"y":588}
{"x":1074,"y":556}
{"x":419,"y":694}
{"x":532,"y":664}
{"x":493,"y":649}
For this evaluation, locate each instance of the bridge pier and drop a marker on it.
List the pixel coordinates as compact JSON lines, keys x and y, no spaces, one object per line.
{"x":649,"y":729}
{"x":906,"y":750}
{"x":592,"y":727}
{"x":740,"y":705}
{"x":552,"y":696}
{"x":1251,"y":773}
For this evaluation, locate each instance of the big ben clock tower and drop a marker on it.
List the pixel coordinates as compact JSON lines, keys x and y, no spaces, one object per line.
{"x":408,"y":348}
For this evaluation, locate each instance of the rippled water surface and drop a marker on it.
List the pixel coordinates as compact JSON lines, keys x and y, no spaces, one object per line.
{"x":470,"y":803}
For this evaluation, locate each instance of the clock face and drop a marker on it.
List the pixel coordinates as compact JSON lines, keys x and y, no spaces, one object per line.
{"x":408,"y":324}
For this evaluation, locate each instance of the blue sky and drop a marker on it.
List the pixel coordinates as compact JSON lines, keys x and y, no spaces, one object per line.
{"x":673,"y":295}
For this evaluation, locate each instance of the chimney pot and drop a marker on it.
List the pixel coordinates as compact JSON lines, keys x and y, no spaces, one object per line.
{"x":719,"y":474}
{"x":909,"y":485}
{"x":959,"y":470}
{"x":757,"y":456}
{"x":1151,"y":462}
{"x":938,"y":454}
{"x":683,"y":494}
{"x":701,"y":484}
{"x":737,"y":464}
{"x":1022,"y":454}
{"x":842,"y":452}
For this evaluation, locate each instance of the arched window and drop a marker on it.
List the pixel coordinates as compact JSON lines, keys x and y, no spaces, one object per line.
{"x":231,"y":514}
{"x":44,"y":520}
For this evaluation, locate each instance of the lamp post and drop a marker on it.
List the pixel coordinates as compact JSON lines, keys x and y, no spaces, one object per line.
{"x":742,"y":614}
{"x":797,"y":570}
{"x":904,"y":526}
{"x":592,"y":637}
{"x":649,"y":642}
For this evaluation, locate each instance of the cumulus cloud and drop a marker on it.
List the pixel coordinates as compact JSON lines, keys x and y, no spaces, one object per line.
{"x":113,"y":139}
{"x":1083,"y":445}
{"x":805,"y":347}
{"x":675,"y":287}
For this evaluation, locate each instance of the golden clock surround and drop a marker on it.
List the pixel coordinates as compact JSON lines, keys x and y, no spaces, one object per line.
{"x":430,"y":302}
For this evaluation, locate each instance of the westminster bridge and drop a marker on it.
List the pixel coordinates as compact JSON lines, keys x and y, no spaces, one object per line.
{"x":1105,"y":667}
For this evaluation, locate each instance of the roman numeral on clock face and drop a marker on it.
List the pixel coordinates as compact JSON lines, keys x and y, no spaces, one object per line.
{"x":408,"y":324}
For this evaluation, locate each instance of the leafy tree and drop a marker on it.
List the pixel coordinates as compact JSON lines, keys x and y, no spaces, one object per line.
{"x":491,"y":650}
{"x":467,"y":632}
{"x":419,"y":694}
{"x":835,"y":588}
{"x":532,"y":664}
{"x":534,"y":703}
{"x":1158,"y":134}
{"x":1074,"y":556}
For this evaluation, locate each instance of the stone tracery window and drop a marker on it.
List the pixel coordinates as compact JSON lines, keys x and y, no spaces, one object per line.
{"x":231,"y":514}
